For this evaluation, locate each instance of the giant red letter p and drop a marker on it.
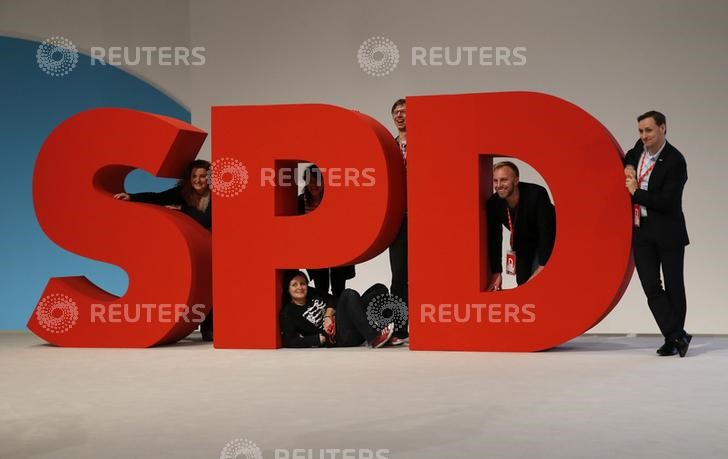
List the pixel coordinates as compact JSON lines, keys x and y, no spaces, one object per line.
{"x":257,"y":232}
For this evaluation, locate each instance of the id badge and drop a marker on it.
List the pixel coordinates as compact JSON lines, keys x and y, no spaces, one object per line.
{"x":637,"y":215}
{"x":511,"y":262}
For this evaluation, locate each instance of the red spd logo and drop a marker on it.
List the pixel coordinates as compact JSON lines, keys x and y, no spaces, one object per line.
{"x":172,"y":263}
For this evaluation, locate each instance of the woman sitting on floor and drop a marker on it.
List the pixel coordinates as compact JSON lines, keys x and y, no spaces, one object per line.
{"x":310,"y":319}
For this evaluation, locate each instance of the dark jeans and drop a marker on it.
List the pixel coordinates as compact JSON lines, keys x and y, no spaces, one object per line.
{"x":352,"y":327}
{"x":668,"y":305}
{"x":398,"y":265}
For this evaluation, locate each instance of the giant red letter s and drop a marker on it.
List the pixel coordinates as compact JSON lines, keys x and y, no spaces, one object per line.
{"x":165,"y":254}
{"x":256,"y":230}
{"x":451,"y":140}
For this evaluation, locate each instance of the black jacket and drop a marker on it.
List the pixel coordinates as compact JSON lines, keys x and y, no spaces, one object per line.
{"x":535,"y":228}
{"x":173,"y":197}
{"x":663,"y":197}
{"x":302,"y":325}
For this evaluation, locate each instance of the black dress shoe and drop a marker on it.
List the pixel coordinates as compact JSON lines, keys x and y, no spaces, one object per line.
{"x":682,"y":344}
{"x":667,"y":349}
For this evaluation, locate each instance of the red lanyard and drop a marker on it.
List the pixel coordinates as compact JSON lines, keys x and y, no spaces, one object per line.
{"x":642,"y":163}
{"x":510,"y":225}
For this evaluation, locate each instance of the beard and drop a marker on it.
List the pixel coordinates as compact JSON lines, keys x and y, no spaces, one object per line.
{"x":505,"y":193}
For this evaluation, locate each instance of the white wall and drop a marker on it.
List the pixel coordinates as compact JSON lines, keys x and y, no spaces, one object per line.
{"x":614,"y":59}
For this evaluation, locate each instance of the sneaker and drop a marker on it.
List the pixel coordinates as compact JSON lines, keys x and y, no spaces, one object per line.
{"x":395,"y":341}
{"x":383,"y":336}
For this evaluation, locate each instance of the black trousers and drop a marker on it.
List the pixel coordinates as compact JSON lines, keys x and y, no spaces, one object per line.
{"x":321,"y":277}
{"x":668,"y":304}
{"x":398,"y":265}
{"x":206,"y":326}
{"x":352,"y":327}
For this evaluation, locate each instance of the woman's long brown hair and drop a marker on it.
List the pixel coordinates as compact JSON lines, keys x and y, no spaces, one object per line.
{"x":188,"y":193}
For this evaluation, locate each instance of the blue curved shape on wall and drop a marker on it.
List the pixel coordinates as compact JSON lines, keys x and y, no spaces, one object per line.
{"x":32,"y":103}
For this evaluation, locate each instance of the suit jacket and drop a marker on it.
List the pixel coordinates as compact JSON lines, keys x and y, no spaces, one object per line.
{"x":535,"y":227}
{"x":663,"y":197}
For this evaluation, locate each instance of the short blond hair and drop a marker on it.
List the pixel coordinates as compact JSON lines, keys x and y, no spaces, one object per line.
{"x":507,"y":164}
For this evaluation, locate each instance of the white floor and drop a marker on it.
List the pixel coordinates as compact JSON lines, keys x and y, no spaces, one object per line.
{"x":594,"y":397}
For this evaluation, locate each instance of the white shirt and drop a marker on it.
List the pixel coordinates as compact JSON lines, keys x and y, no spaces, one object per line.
{"x":647,"y":160}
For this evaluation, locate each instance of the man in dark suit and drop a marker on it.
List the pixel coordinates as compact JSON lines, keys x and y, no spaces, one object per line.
{"x":656,"y":173}
{"x":526,"y":210}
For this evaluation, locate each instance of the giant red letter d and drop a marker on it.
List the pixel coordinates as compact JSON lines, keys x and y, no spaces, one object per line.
{"x":451,"y":140}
